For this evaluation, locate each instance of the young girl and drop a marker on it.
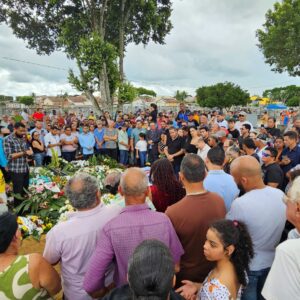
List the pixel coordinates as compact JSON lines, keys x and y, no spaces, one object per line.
{"x":141,"y":149}
{"x":228,"y":243}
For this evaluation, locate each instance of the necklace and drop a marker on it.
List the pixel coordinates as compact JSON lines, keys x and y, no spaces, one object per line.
{"x":196,"y":193}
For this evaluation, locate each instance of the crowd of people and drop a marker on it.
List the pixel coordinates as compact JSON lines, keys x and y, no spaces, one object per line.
{"x":225,"y":217}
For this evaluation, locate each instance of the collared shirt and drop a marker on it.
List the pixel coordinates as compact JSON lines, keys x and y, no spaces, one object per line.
{"x":52,"y":139}
{"x":223,"y":184}
{"x":293,"y":155}
{"x":135,"y":134}
{"x":87,"y":142}
{"x":121,"y":236}
{"x":73,"y":242}
{"x":123,"y":137}
{"x":99,"y":135}
{"x":12,"y":144}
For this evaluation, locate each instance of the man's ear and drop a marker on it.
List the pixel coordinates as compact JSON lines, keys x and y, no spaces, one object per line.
{"x":120,"y":190}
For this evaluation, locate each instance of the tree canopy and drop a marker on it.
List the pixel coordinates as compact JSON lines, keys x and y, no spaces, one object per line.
{"x":283,"y":94}
{"x":26,"y":100}
{"x":181,"y":95}
{"x":144,"y":91}
{"x":279,"y":38}
{"x":222,"y":95}
{"x":70,"y":25}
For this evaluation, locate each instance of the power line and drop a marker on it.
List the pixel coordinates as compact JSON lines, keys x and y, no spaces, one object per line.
{"x":36,"y":64}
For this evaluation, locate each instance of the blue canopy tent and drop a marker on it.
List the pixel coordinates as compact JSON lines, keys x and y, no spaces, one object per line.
{"x":276,"y":106}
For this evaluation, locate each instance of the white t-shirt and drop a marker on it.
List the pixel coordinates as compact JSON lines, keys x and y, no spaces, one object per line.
{"x":263,"y":211}
{"x":283,"y":281}
{"x":141,"y":145}
{"x":52,"y":139}
{"x":203,"y":153}
{"x":239,"y":124}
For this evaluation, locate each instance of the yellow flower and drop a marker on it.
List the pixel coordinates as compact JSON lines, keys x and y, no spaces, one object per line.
{"x":24,"y":228}
{"x":49,"y":225}
{"x":44,"y":227}
{"x":20,"y":221}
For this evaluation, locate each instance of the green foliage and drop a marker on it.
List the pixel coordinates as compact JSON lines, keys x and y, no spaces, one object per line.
{"x":279,"y":38}
{"x":26,"y":100}
{"x":127,"y":93}
{"x":181,"y":95}
{"x":144,"y":91}
{"x":4,"y":98}
{"x":223,"y":95}
{"x":92,"y":53}
{"x":294,"y":101}
{"x":282,"y":94}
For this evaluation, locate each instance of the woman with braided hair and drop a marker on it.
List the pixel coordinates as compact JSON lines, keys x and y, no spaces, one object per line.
{"x":166,"y":189}
{"x":229,"y":244}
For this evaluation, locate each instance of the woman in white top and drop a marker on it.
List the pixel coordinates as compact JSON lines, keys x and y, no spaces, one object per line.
{"x":229,"y":244}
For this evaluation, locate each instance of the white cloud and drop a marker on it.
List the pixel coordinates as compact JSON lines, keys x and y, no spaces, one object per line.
{"x":212,"y":41}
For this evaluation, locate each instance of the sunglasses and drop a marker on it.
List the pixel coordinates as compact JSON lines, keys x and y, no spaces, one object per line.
{"x":264,"y":154}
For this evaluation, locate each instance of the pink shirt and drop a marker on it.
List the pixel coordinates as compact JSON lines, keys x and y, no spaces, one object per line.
{"x":121,"y":236}
{"x":73,"y":243}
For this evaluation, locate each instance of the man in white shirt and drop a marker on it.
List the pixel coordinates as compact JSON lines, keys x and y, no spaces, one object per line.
{"x":242,"y":121}
{"x":283,"y":280}
{"x":261,"y":208}
{"x":203,"y":148}
{"x":52,"y":142}
{"x":221,"y":121}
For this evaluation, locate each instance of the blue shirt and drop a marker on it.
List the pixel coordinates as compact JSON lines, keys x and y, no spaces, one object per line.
{"x":100,"y":137}
{"x":86,"y":141}
{"x":3,"y":160}
{"x":293,"y":155}
{"x":219,"y":182}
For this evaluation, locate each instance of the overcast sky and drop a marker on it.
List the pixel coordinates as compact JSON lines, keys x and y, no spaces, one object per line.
{"x":212,"y":41}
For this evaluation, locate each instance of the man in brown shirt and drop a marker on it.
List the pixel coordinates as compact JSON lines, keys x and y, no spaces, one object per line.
{"x":191,"y":218}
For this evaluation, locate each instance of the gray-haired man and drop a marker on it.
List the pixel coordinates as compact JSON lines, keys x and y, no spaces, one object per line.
{"x":72,"y":242}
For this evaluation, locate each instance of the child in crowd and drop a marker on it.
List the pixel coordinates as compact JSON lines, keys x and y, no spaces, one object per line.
{"x":141,"y":149}
{"x":229,"y":244}
{"x":3,"y":197}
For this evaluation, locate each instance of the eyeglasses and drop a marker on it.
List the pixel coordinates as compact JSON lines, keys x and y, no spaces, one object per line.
{"x":264,"y":154}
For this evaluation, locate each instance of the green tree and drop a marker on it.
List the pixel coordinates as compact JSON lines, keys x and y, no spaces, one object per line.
{"x":53,"y":25}
{"x":26,"y":100}
{"x":144,"y":91}
{"x":282,"y":94}
{"x":279,"y":38}
{"x":222,"y":95}
{"x":127,"y":93}
{"x":294,"y":101}
{"x":4,"y":98}
{"x":181,"y":95}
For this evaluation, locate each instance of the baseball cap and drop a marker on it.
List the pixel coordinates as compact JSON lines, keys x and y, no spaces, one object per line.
{"x":242,"y":113}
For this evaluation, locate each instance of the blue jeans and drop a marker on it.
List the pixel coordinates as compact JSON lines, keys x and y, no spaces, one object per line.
{"x":123,"y":157}
{"x":39,"y":159}
{"x":69,"y":156}
{"x":101,"y":151}
{"x":142,"y":156}
{"x":256,"y":283}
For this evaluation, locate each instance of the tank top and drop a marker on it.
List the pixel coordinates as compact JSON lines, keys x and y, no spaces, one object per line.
{"x":15,"y":283}
{"x":36,"y":150}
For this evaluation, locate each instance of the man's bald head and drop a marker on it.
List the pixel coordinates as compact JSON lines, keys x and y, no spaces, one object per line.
{"x":134,"y":183}
{"x":245,"y":166}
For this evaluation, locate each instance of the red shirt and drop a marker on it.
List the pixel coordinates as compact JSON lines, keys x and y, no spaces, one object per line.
{"x":161,"y":200}
{"x":38,"y":116}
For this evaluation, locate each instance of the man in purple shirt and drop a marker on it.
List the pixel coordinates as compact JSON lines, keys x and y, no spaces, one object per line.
{"x":72,"y":242}
{"x":123,"y":234}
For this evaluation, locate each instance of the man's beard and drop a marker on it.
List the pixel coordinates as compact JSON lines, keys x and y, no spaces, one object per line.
{"x":20,"y":136}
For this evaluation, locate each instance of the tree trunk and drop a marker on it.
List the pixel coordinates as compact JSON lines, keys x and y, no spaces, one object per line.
{"x":121,"y":40}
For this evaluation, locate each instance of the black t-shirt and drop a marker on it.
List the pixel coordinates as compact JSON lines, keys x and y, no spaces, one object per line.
{"x":235,"y":133}
{"x":256,"y":156}
{"x":190,"y":148}
{"x":124,"y":293}
{"x":175,"y":146}
{"x":273,"y":173}
{"x":274,"y":131}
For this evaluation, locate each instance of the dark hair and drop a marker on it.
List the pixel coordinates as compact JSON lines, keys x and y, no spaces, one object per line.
{"x":153,"y":105}
{"x":193,"y":168}
{"x":231,"y":120}
{"x":279,"y":138}
{"x":142,"y":135}
{"x":273,"y":151}
{"x":163,"y":176}
{"x":272,"y":118}
{"x":247,"y":126}
{"x":204,"y":128}
{"x":18,"y":125}
{"x":8,"y":228}
{"x":67,"y":127}
{"x":292,"y":135}
{"x":249,"y":143}
{"x":236,"y":233}
{"x":216,"y":156}
{"x":150,"y":271}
